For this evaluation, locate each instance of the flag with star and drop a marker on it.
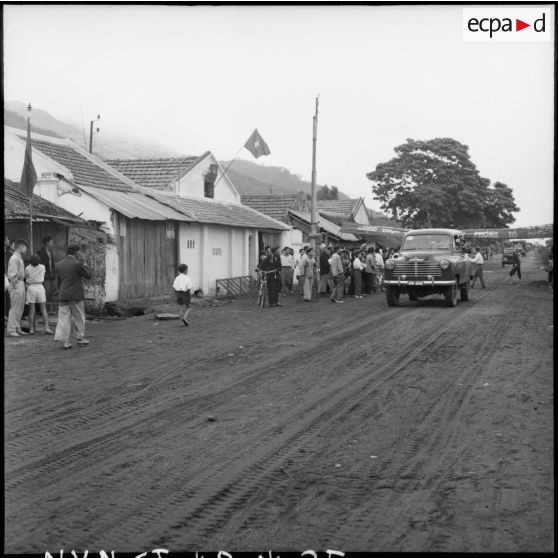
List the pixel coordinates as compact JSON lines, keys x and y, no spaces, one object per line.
{"x":256,"y":145}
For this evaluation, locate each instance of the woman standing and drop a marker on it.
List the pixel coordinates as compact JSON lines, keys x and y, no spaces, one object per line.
{"x":309,"y":273}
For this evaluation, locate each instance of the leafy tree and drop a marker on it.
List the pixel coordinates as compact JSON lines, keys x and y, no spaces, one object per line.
{"x":434,"y":183}
{"x":327,"y":193}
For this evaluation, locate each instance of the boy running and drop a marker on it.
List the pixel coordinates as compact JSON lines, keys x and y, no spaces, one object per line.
{"x":182,"y":285}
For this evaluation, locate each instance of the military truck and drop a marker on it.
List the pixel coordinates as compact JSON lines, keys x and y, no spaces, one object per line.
{"x":430,"y":261}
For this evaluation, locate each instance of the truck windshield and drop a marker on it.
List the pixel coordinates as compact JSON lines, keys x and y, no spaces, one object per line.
{"x":429,"y":242}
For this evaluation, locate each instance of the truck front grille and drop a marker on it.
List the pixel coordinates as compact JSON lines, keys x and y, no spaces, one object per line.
{"x":417,"y":269}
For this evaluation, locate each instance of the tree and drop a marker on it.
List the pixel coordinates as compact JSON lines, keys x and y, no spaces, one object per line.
{"x":327,"y":193}
{"x":434,"y":183}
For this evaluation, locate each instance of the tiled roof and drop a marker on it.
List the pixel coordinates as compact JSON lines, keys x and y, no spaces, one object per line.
{"x":274,"y":206}
{"x":85,"y":171}
{"x":207,"y":210}
{"x":136,"y":205}
{"x":155,"y":173}
{"x":324,"y":224}
{"x":16,"y":206}
{"x":342,"y":207}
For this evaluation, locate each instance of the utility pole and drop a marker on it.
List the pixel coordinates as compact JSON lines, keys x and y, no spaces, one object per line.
{"x":91,"y":132}
{"x":313,"y":221}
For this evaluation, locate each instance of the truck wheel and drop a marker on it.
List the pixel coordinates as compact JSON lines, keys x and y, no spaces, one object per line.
{"x":413,"y":297}
{"x":392,"y":295}
{"x":451,"y":295}
{"x":464,"y":291}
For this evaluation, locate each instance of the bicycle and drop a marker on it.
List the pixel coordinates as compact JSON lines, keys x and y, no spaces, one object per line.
{"x":263,"y":292}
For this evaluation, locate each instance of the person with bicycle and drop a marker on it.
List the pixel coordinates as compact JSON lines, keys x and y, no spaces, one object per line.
{"x":271,"y":266}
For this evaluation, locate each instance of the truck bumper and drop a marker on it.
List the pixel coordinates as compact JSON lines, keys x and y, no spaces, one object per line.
{"x":417,"y":283}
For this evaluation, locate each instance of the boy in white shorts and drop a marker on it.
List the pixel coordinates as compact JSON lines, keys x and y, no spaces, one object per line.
{"x":34,"y":277}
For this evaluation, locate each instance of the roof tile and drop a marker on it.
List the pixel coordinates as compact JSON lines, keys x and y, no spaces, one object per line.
{"x":154,"y":173}
{"x":84,"y":171}
{"x":211,"y":211}
{"x":274,"y":206}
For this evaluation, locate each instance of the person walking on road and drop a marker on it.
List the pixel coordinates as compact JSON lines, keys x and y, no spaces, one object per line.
{"x":16,"y":275}
{"x":478,"y":260}
{"x":71,"y":310}
{"x":183,"y":286}
{"x":516,"y":266}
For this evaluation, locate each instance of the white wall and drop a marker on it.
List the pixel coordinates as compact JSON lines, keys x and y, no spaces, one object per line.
{"x":82,"y":203}
{"x":112,"y":278}
{"x":293,"y":239}
{"x":192,"y":184}
{"x":204,"y":266}
{"x":191,"y":256}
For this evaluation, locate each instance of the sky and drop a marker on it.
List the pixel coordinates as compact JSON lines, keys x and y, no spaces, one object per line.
{"x":197,"y":78}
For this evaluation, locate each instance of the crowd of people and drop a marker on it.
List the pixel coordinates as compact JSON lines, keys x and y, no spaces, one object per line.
{"x":43,"y":281}
{"x":334,"y":271}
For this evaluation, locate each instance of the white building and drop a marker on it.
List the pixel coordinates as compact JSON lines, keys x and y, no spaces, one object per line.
{"x":197,"y":220}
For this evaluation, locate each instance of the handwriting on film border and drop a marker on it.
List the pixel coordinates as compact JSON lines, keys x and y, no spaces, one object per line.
{"x":221,"y":554}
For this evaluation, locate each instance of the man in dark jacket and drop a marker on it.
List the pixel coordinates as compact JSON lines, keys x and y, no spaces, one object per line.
{"x":272,"y":266}
{"x":69,"y":281}
{"x":47,"y":259}
{"x":326,"y":281}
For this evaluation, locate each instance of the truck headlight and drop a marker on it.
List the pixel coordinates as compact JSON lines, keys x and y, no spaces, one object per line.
{"x":444,"y":264}
{"x":390,"y":264}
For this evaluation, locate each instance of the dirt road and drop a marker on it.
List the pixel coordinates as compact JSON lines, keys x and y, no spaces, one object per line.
{"x":350,"y":427}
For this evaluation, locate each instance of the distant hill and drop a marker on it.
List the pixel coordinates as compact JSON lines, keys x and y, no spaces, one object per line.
{"x":252,"y":179}
{"x":248,"y":177}
{"x":107,"y":146}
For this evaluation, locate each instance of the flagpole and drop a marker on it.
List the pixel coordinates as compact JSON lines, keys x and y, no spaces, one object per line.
{"x":313,"y":222}
{"x":228,"y":166}
{"x":31,"y":190}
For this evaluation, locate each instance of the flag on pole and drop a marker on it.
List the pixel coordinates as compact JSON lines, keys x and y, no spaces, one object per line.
{"x":28,"y":175}
{"x":256,"y":145}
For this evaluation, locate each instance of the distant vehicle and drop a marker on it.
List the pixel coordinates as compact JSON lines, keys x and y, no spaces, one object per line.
{"x":507,"y":256}
{"x":430,"y":261}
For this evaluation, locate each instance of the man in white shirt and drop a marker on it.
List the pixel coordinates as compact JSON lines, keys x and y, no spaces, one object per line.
{"x":287,"y":266}
{"x":338,"y":276}
{"x":478,"y":260}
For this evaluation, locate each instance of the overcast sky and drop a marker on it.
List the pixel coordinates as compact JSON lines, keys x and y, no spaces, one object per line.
{"x":201,"y":78}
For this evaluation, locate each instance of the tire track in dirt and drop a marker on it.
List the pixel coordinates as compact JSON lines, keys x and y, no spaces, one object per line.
{"x":245,"y":376}
{"x":211,"y":508}
{"x":448,"y":410}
